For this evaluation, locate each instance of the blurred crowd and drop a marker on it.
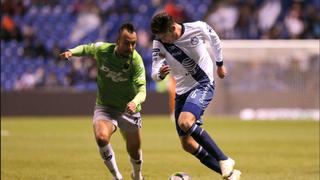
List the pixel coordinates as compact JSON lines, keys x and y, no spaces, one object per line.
{"x":261,"y":19}
{"x":34,"y":32}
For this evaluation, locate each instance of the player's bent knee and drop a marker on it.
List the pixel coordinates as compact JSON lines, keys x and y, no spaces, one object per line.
{"x":102,"y":142}
{"x":102,"y":138}
{"x":185,"y":124}
{"x":186,"y":120}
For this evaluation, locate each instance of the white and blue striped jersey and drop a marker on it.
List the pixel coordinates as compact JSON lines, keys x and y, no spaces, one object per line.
{"x":190,"y":57}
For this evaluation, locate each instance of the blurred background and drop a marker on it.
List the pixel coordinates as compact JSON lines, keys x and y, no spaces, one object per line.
{"x":270,"y":47}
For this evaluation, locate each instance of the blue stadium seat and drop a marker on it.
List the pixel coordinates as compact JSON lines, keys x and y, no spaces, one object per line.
{"x":53,"y":26}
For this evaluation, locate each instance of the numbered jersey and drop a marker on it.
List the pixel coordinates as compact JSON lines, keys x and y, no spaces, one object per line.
{"x":190,"y":57}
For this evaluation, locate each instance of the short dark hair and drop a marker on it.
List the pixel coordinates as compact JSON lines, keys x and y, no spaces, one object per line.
{"x":161,"y":23}
{"x":126,"y":26}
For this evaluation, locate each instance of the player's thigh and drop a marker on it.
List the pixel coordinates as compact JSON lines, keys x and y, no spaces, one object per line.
{"x":103,"y":129}
{"x":130,"y":125}
{"x":188,"y":143}
{"x":104,"y":123}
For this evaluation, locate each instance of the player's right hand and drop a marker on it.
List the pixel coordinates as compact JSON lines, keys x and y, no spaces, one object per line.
{"x":66,"y":55}
{"x":164,"y":71}
{"x":222,"y":71}
{"x":131,"y":108}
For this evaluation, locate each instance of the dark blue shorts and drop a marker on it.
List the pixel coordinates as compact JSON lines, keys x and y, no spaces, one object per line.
{"x":194,"y":101}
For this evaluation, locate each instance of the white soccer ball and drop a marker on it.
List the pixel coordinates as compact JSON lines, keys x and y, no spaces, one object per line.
{"x":180,"y":176}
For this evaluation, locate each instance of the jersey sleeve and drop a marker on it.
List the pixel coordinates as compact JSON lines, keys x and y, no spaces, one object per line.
{"x":86,"y":49}
{"x":158,"y":59}
{"x":139,"y":78}
{"x":214,"y":41}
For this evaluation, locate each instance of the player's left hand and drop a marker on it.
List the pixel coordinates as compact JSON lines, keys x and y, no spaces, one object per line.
{"x":66,"y":55}
{"x":222,"y":71}
{"x":131,"y":108}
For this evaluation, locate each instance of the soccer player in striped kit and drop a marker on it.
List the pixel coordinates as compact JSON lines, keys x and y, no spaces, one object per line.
{"x":183,"y":51}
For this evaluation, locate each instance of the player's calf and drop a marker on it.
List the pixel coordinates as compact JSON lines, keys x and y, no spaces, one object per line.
{"x":109,"y":160}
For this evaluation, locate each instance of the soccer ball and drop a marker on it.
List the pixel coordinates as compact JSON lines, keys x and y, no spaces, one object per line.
{"x":180,"y":176}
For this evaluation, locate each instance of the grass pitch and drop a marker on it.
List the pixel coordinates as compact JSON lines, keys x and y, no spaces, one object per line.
{"x":58,"y":148}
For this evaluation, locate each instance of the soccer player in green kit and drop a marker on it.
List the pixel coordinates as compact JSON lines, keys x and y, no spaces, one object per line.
{"x":121,"y":90}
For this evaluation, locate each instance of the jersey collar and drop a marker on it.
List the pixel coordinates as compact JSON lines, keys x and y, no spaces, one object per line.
{"x":182,"y":29}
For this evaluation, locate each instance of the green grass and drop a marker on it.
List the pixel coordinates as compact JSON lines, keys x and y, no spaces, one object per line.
{"x":58,"y":148}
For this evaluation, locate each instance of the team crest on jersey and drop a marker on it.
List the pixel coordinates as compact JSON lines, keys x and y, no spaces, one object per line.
{"x":194,"y":40}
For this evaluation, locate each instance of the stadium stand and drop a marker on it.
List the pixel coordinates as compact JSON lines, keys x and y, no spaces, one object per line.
{"x":34,"y":32}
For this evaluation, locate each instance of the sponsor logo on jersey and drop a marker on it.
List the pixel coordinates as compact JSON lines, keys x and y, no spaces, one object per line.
{"x":114,"y":76}
{"x":190,"y":65}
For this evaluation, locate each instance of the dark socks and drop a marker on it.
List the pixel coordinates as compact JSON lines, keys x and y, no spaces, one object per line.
{"x":204,"y":139}
{"x":207,"y":159}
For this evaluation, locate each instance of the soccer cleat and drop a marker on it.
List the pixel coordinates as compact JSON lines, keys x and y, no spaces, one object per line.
{"x":118,"y":177}
{"x":235,"y":175}
{"x":226,"y":167}
{"x":136,"y":178}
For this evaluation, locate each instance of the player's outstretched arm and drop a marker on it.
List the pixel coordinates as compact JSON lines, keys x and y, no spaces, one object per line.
{"x":221,"y":71}
{"x":66,"y":55}
{"x":81,"y":50}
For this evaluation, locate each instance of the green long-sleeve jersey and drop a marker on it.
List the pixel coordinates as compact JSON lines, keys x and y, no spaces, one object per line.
{"x":120,"y":80}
